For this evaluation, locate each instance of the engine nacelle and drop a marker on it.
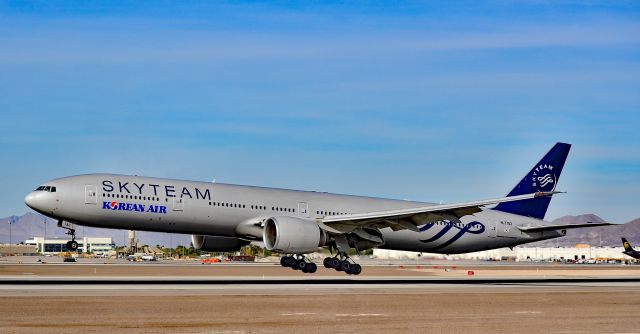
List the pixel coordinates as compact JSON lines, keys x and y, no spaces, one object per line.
{"x":292,"y":235}
{"x":218,"y":244}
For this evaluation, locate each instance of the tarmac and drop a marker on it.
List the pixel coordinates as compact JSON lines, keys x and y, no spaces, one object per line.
{"x":166,"y":297}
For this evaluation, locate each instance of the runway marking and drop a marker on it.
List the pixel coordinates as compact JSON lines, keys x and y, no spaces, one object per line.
{"x":527,"y":312}
{"x":297,"y":313}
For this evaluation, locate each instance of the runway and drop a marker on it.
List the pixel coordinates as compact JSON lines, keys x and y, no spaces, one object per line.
{"x":306,"y":281}
{"x":361,"y":308}
{"x":137,"y":298}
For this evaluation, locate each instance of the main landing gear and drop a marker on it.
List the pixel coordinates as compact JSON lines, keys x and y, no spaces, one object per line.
{"x":73,"y":244}
{"x":298,"y":262}
{"x":342,"y":265}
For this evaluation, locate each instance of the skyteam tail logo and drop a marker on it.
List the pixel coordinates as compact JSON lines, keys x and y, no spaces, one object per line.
{"x":473,"y":227}
{"x":544,"y":178}
{"x":119,"y":206}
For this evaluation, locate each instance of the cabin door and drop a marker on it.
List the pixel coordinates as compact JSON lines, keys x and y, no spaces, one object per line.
{"x":90,"y":194}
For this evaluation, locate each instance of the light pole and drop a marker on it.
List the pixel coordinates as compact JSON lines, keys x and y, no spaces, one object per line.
{"x":44,"y":239}
{"x":10,"y":223}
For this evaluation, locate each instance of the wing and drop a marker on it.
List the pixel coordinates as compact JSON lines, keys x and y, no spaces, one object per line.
{"x":413,"y":217}
{"x":542,"y":228}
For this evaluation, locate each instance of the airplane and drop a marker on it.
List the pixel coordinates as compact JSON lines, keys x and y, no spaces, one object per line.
{"x":628,"y":250}
{"x":225,"y":217}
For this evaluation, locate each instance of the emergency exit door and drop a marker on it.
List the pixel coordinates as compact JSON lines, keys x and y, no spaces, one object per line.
{"x":178,"y":204}
{"x":303,"y":209}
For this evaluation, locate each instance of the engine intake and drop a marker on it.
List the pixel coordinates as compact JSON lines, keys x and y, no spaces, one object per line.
{"x":218,"y":244}
{"x":292,"y":235}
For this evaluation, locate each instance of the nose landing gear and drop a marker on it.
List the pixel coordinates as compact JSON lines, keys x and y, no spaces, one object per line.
{"x":298,"y":262}
{"x":73,"y":244}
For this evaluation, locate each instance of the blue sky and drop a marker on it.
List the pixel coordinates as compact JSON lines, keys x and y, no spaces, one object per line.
{"x":437,"y":101}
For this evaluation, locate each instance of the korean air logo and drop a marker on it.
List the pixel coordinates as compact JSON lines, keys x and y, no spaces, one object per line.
{"x":544,"y":178}
{"x":135,"y":207}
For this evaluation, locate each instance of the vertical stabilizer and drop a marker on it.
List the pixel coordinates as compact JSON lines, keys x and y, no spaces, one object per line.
{"x":542,"y":177}
{"x":627,"y":245}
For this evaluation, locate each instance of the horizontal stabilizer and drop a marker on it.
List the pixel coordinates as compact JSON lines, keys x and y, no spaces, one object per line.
{"x":542,"y":228}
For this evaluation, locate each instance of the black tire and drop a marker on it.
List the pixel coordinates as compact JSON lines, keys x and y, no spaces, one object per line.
{"x":300,"y":264}
{"x":290,"y":261}
{"x":334,"y":263}
{"x":327,"y":262}
{"x":310,"y":268}
{"x":72,"y":245}
{"x":345,"y":266}
{"x":284,"y":262}
{"x":356,"y":269}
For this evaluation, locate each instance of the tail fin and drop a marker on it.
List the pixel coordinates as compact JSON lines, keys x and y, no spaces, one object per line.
{"x":627,"y":245}
{"x":543,"y":177}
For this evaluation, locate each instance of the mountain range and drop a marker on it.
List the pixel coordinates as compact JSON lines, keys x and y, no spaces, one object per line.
{"x":33,"y":224}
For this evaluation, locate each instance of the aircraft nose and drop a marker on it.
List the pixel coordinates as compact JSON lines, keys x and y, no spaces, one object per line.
{"x":30,"y":200}
{"x":35,"y":201}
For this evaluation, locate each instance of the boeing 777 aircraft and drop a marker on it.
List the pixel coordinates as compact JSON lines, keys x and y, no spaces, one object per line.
{"x":225,"y":217}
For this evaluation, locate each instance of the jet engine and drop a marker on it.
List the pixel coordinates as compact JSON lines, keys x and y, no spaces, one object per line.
{"x":217,"y":244}
{"x":292,"y":235}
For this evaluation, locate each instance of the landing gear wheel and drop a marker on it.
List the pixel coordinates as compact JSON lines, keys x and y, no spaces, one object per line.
{"x":345,"y":266}
{"x":72,"y":245}
{"x":310,"y":268}
{"x":356,"y":269}
{"x":284,"y":261}
{"x":334,"y":263}
{"x":327,"y":262}
{"x":300,"y":265}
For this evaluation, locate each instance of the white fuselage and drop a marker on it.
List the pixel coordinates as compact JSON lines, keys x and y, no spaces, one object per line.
{"x":175,"y":206}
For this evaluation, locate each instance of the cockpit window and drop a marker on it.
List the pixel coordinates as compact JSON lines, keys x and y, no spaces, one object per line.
{"x":53,"y":189}
{"x":40,"y":188}
{"x":46,"y":188}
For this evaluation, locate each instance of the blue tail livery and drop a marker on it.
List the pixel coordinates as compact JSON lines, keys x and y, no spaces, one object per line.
{"x":543,"y":177}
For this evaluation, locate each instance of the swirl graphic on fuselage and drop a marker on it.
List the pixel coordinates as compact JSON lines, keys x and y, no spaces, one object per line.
{"x":473,"y":227}
{"x":544,"y":180}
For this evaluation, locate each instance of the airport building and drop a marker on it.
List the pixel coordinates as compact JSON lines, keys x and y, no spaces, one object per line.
{"x":93,"y":245}
{"x":580,"y":252}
